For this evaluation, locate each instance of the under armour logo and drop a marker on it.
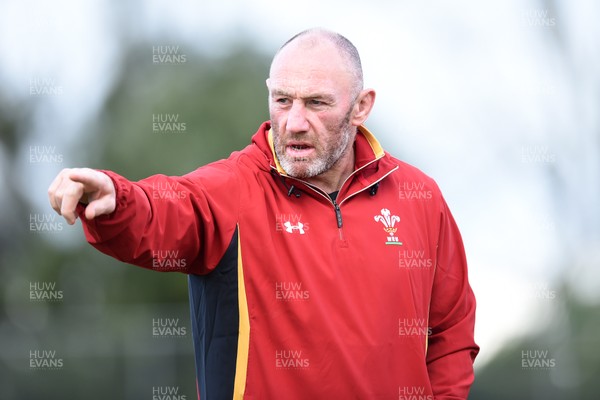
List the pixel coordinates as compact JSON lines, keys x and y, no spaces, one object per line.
{"x":291,"y":223}
{"x":290,"y":228}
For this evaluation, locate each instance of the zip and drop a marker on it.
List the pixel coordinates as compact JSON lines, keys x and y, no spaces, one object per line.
{"x":338,"y":214}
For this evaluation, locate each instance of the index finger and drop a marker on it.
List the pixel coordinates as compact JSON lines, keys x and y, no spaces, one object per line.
{"x":72,"y":194}
{"x":52,"y":191}
{"x":87,"y":177}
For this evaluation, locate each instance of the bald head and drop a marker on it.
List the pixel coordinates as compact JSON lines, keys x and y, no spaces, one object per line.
{"x":311,"y":41}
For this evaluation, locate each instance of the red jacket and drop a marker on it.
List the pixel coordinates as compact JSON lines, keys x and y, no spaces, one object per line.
{"x":296,"y":296}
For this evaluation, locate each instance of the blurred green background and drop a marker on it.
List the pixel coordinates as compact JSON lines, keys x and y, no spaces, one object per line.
{"x":539,"y":311}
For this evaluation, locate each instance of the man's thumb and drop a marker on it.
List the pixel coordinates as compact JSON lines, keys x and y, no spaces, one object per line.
{"x":98,"y":207}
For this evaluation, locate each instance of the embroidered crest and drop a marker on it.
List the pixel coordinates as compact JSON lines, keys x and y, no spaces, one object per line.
{"x":389,"y":222}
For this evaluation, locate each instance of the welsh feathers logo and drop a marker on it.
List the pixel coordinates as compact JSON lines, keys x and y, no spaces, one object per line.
{"x":388,"y":222}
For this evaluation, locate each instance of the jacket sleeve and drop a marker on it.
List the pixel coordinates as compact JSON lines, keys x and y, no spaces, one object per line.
{"x":451,"y":345}
{"x":166,"y":223}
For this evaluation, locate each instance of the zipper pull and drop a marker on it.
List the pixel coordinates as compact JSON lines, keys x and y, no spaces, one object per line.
{"x":338,"y":214}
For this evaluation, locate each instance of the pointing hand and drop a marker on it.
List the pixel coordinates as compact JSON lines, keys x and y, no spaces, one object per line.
{"x":85,"y":185}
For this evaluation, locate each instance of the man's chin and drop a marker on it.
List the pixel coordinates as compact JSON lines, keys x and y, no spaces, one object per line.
{"x":299,"y":173}
{"x":300,"y":169}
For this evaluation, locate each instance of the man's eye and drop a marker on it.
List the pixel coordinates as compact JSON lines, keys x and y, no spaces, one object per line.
{"x":314,"y":102}
{"x":282,"y":100}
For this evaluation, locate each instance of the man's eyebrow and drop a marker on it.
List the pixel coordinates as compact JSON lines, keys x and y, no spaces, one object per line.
{"x":322,"y":96}
{"x":316,"y":95}
{"x":280,"y":92}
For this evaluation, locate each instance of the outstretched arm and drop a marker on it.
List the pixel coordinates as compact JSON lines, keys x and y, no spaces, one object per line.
{"x":179,"y":223}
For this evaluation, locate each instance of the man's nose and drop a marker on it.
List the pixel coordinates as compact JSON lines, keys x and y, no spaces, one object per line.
{"x":296,"y":121}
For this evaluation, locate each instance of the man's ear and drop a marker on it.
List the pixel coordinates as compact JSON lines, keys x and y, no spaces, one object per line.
{"x":363,"y":106}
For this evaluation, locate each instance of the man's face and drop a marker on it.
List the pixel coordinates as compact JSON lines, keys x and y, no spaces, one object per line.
{"x":311,"y":99}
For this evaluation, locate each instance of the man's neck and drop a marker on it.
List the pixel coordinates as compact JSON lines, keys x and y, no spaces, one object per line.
{"x":333,"y":179}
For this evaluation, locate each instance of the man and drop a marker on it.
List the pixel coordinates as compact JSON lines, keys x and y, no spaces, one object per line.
{"x":320,"y":267}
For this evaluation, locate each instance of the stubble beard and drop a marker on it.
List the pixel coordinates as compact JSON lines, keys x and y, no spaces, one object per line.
{"x":334,"y":148}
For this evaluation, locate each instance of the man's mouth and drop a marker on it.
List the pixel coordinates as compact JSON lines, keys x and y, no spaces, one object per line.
{"x":299,"y":150}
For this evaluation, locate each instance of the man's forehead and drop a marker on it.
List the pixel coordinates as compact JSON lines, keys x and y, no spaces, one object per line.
{"x":309,"y":79}
{"x":292,"y":86}
{"x":319,"y":59}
